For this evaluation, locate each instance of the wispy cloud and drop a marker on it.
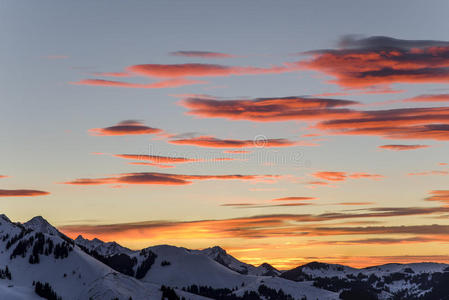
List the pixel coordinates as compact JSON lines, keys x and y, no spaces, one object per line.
{"x":213,"y":142}
{"x":169,"y":83}
{"x":150,"y":178}
{"x":397,"y":147}
{"x":22,"y":193}
{"x":429,"y":98}
{"x":341,"y":176}
{"x":295,"y":198}
{"x":202,"y":54}
{"x":433,"y":172}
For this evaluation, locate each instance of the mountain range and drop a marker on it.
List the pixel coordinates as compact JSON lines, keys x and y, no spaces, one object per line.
{"x":37,"y":261}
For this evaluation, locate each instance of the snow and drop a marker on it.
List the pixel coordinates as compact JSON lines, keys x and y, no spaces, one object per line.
{"x":12,"y":292}
{"x":103,"y":248}
{"x":219,"y":254}
{"x":297,"y":290}
{"x":190,"y":267}
{"x":39,"y":224}
{"x":81,"y":276}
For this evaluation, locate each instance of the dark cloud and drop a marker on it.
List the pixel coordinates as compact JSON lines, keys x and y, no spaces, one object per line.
{"x":385,"y":42}
{"x":22,"y":193}
{"x":164,"y":178}
{"x":202,"y":54}
{"x":128,"y":127}
{"x":378,"y":61}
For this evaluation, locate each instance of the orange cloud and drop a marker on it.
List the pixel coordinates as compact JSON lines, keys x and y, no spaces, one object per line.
{"x":202,"y":54}
{"x":176,"y":75}
{"x":381,"y":61}
{"x":402,"y":123}
{"x":341,"y":176}
{"x":156,"y":158}
{"x":355,"y":203}
{"x":439,"y":195}
{"x":331,"y":114}
{"x":201,"y":70}
{"x":296,"y":198}
{"x":429,"y":98}
{"x":22,"y":193}
{"x":129,"y":127}
{"x":434,"y":172}
{"x":163,"y":178}
{"x":269,"y":109}
{"x":332,"y":176}
{"x":365,"y":175}
{"x":212,"y":142}
{"x":170,"y":83}
{"x":403,"y":147}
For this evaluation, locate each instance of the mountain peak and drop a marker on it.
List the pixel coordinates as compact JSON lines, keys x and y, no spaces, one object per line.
{"x":39,"y":224}
{"x":268,"y":270}
{"x":267,"y":265}
{"x":5,"y":218}
{"x":218,"y":249}
{"x":101,"y":247}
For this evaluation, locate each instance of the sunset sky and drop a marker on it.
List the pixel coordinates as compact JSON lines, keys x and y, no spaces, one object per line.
{"x":284,"y":132}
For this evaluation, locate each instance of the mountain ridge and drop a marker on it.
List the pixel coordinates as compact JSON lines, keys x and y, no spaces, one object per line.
{"x":93,"y":269}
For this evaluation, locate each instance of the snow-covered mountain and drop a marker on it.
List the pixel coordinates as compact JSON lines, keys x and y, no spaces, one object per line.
{"x":106,"y":249}
{"x":36,"y":259}
{"x":39,"y":224}
{"x":219,"y":255}
{"x":30,"y":256}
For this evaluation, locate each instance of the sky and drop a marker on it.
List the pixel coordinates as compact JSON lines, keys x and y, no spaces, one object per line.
{"x":277,"y":131}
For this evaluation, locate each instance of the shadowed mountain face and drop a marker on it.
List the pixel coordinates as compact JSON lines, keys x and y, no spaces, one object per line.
{"x":36,"y":260}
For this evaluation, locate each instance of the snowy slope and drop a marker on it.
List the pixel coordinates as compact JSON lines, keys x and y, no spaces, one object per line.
{"x":190,"y":267}
{"x":77,"y":276}
{"x":11,"y":292}
{"x":298,"y":290}
{"x":93,"y":269}
{"x":113,"y":285}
